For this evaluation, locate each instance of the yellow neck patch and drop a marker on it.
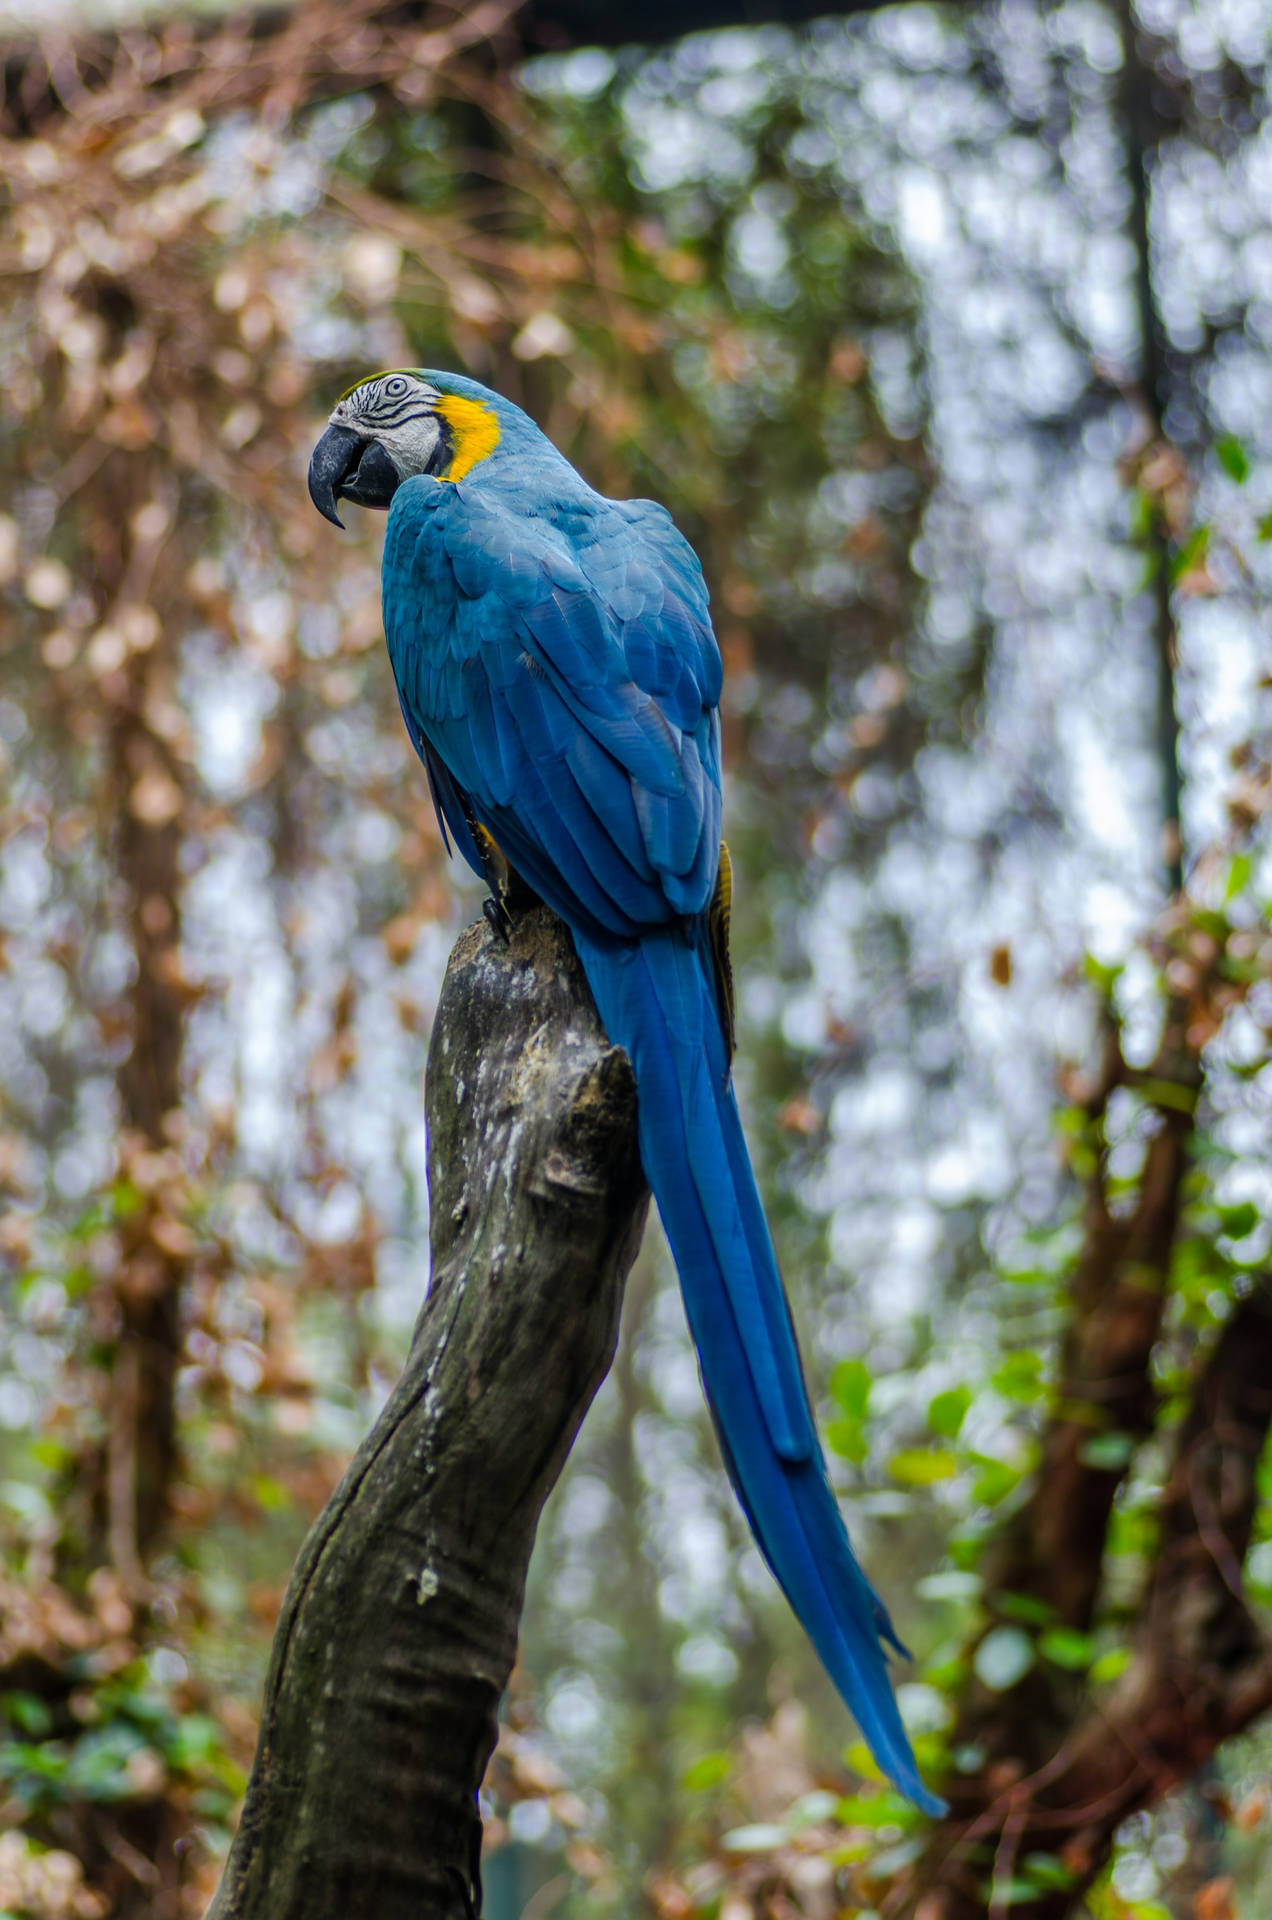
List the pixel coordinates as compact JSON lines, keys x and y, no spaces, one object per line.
{"x":474,"y":432}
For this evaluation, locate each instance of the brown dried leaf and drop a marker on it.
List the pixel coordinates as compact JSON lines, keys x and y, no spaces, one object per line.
{"x":1252,"y":1811}
{"x":1214,"y":1900}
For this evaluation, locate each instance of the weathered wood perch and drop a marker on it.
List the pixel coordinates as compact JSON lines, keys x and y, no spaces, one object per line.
{"x":399,"y":1628}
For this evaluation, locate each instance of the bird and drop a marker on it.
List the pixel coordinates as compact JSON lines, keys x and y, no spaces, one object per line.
{"x":559,"y":678}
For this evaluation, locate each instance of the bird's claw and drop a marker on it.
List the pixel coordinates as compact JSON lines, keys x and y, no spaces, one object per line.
{"x":498,"y":918}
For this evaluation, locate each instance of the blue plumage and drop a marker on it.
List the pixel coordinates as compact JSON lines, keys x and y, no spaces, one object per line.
{"x":559,"y":676}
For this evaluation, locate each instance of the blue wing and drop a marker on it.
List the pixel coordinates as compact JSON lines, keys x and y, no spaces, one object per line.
{"x":569,"y":691}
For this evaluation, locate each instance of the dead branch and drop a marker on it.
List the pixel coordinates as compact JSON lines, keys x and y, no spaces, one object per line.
{"x":400,"y":1626}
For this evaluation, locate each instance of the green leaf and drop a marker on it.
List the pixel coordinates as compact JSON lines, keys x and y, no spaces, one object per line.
{"x":1047,"y":1870}
{"x":1191,"y":552}
{"x":947,"y":1668}
{"x":1027,"y":1607}
{"x":1066,"y":1647}
{"x":27,"y":1765}
{"x":1168,"y":1093}
{"x":1263,"y":528}
{"x":1010,"y":1893}
{"x":1142,"y":515}
{"x":847,"y":1438}
{"x":850,"y":1387}
{"x":1109,"y":1666}
{"x":875,"y":1810}
{"x":270,"y":1494}
{"x":1003,"y":1658}
{"x":967,"y":1550}
{"x":1238,"y":1221}
{"x":195,"y":1741}
{"x":947,"y":1412}
{"x":858,"y":1756}
{"x":29,"y":1713}
{"x":1102,"y":976}
{"x":98,"y":1768}
{"x":1107,"y":1452}
{"x":922,"y":1466}
{"x":995,"y":1479}
{"x":124,"y":1199}
{"x":1240,"y":868}
{"x":1233,"y":458}
{"x":1019,"y":1378}
{"x":708,"y":1770}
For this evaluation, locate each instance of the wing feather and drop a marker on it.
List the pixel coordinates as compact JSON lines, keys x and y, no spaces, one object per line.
{"x":570,"y":690}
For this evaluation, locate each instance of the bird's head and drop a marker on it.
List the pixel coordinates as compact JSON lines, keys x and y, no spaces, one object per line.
{"x":386,"y":429}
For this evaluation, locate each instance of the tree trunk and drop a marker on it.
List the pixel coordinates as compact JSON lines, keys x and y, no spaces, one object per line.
{"x":1201,"y":1671}
{"x":399,"y":1629}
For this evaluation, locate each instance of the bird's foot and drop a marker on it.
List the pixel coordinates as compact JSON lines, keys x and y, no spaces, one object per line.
{"x":498,"y":918}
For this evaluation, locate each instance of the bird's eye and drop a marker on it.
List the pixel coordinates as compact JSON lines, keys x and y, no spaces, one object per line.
{"x":395,"y":387}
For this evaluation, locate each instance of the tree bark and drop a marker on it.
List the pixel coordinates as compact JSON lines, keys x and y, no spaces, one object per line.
{"x":399,"y":1629}
{"x":1143,"y":127}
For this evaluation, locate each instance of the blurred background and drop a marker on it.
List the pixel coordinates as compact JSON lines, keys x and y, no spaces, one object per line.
{"x":945,"y":332}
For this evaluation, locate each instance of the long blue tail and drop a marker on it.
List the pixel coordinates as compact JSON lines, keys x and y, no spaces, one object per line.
{"x":658,"y":1001}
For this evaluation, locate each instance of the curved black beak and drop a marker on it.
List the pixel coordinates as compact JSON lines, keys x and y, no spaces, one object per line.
{"x":345,"y":465}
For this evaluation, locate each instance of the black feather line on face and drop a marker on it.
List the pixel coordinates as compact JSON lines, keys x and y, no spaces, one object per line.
{"x":439,"y":461}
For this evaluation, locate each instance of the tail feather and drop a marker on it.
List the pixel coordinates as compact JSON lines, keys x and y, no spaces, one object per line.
{"x":658,"y":1001}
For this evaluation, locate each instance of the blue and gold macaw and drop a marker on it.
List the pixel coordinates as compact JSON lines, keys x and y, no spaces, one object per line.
{"x":559,"y":678}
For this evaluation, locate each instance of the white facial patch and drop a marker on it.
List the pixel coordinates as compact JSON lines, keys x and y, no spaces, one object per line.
{"x":397,"y":410}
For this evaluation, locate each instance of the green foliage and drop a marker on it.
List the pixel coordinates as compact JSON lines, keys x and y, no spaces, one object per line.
{"x":708,"y":1770}
{"x":947,"y":1411}
{"x":123,"y":1738}
{"x":922,"y":1466}
{"x":850,"y":1385}
{"x":885,"y":1809}
{"x":994,"y":1480}
{"x":1066,"y":1647}
{"x":1108,"y":1451}
{"x":1233,"y":457}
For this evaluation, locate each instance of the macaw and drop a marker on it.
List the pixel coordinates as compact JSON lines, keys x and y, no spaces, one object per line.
{"x":560,"y":680}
